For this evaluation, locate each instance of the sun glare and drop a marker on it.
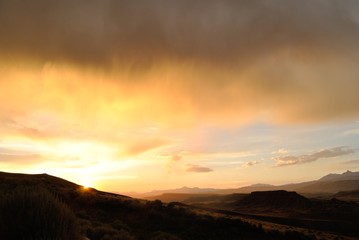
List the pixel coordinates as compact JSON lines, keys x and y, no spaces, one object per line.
{"x":86,"y":182}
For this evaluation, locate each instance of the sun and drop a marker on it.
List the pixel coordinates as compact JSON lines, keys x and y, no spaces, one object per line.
{"x":86,"y":182}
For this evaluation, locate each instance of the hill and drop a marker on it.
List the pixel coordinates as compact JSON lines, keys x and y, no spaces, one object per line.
{"x":292,"y":204}
{"x":279,"y":200}
{"x":348,"y":196}
{"x":293,"y":209}
{"x":106,"y":216}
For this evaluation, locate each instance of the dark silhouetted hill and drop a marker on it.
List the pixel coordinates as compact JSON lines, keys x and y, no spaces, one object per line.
{"x":292,"y":205}
{"x":348,"y":196}
{"x":11,"y":180}
{"x":275,"y":200}
{"x":103,"y":216}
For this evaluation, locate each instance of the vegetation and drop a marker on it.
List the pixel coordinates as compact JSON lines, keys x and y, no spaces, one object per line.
{"x":154,"y":220}
{"x":70,"y":212}
{"x":34,"y":213}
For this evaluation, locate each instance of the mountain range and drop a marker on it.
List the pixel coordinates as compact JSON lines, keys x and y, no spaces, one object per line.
{"x":348,"y":175}
{"x":329,"y":184}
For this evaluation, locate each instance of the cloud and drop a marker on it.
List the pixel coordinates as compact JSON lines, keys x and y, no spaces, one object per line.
{"x":97,"y":31}
{"x":198,"y":169}
{"x":327,"y":153}
{"x":250,"y":164}
{"x":352,"y":162}
{"x":131,"y":62}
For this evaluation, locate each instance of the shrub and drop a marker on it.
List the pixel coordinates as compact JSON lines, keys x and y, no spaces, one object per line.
{"x":164,"y":236}
{"x":106,"y":232}
{"x":34,"y":213}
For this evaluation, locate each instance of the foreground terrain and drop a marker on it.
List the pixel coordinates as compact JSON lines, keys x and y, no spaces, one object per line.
{"x":86,"y":213}
{"x":75,"y":212}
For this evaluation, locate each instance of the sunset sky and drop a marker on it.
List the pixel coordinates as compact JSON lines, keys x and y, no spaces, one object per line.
{"x":141,"y":95}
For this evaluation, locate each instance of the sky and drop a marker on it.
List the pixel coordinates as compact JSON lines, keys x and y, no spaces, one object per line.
{"x":140,"y":95}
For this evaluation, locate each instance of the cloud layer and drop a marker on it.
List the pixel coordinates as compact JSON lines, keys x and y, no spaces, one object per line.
{"x":89,"y":31}
{"x":228,"y":61}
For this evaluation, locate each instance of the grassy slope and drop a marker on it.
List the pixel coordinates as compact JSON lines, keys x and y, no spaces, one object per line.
{"x":104,"y":216}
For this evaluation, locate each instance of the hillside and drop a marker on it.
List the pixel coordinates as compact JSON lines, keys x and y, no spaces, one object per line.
{"x":348,"y":196}
{"x":293,"y":209}
{"x":279,"y":200}
{"x":11,"y":180}
{"x":292,"y":204}
{"x":106,"y":216}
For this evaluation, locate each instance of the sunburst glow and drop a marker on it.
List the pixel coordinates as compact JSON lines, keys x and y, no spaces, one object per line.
{"x":205,"y":94}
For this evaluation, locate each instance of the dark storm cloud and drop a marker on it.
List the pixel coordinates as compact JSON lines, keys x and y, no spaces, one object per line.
{"x":277,"y":60}
{"x":99,"y":32}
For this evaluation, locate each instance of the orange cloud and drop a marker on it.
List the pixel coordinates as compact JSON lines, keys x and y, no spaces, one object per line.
{"x":250,"y":164}
{"x":307,"y":158}
{"x":198,"y":169}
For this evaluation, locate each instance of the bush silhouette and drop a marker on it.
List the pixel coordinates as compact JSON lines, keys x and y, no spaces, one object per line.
{"x":34,"y":213}
{"x":164,"y":236}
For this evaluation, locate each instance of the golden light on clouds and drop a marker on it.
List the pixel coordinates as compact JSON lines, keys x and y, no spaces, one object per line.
{"x":103,"y":88}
